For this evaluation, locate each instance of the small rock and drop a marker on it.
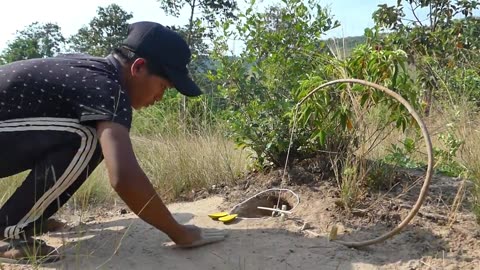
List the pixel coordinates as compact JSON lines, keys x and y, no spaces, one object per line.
{"x":123,"y":211}
{"x":339,"y":203}
{"x":451,"y":267}
{"x":305,"y":226}
{"x":54,"y":225}
{"x":358,"y":213}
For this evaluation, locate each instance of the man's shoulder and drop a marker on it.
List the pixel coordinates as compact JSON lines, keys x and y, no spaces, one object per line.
{"x":76,"y":59}
{"x":78,"y":56}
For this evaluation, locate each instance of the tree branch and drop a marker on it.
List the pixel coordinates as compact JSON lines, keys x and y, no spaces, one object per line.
{"x":190,"y":22}
{"x":431,"y":18}
{"x":415,"y":14}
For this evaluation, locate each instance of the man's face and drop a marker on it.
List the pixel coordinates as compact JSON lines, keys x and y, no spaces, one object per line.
{"x":145,"y":88}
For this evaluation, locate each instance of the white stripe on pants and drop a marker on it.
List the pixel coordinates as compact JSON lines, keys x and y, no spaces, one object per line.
{"x":88,"y":144}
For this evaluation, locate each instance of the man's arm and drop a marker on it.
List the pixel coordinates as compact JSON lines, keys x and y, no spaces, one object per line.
{"x":133,"y":186}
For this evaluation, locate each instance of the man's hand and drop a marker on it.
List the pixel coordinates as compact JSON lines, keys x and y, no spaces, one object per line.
{"x":195,"y":236}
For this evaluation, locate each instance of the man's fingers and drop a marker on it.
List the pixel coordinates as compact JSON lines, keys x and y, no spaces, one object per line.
{"x":207,"y":236}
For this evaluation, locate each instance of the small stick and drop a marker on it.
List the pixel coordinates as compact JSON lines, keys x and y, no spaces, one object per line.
{"x":282,"y":216}
{"x":275,"y":210}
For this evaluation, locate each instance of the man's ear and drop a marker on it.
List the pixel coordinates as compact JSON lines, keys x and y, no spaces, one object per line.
{"x":139,"y":65}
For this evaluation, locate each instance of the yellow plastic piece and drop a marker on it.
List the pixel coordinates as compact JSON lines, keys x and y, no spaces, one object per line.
{"x":218,"y":215}
{"x":228,"y":218}
{"x":333,"y":233}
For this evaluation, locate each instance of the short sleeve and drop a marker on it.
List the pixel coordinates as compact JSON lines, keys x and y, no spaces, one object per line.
{"x":105,"y":101}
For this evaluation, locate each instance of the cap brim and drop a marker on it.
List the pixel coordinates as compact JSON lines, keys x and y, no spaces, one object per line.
{"x":183,"y":83}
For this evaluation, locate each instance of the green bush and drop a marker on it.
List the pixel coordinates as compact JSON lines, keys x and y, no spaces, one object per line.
{"x":259,"y":85}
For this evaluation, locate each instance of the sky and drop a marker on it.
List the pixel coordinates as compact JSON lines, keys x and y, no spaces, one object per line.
{"x":354,"y":15}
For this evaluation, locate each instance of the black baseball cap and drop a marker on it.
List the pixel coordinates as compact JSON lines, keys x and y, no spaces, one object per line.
{"x":165,"y":50}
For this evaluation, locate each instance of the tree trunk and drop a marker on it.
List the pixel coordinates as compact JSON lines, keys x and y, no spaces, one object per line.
{"x":184,"y":109}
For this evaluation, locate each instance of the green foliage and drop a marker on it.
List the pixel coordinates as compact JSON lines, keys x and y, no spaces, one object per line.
{"x":446,"y":158}
{"x":403,"y":155}
{"x":259,"y":86}
{"x":159,"y":118}
{"x":35,"y":41}
{"x":104,"y":32}
{"x":224,"y":8}
{"x":203,"y":14}
{"x":437,"y":47}
{"x":330,"y":116}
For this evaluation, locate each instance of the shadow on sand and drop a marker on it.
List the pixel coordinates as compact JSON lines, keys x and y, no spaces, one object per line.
{"x":129,"y":243}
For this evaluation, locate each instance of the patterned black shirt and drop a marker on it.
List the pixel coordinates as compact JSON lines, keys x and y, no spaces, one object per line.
{"x":68,"y":86}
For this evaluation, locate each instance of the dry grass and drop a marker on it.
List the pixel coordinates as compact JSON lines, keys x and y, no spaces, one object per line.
{"x":180,"y":162}
{"x":462,"y":121}
{"x":190,"y":161}
{"x":469,"y":155}
{"x":9,"y":185}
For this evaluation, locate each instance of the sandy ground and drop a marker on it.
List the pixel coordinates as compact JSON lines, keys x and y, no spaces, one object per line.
{"x":113,"y":238}
{"x":117,"y":241}
{"x":251,"y":244}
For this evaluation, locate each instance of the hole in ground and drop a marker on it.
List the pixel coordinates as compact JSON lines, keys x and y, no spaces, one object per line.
{"x":249,"y":209}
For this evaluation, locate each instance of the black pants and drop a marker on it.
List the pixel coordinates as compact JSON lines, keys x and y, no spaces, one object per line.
{"x":61,"y":154}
